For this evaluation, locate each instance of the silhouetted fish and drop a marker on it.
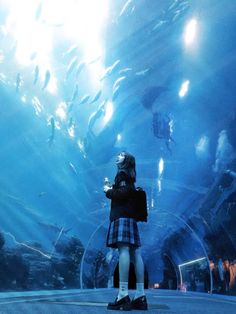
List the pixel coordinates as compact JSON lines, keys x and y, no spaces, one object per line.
{"x":18,"y":82}
{"x":71,"y":123}
{"x":51,"y":137}
{"x":116,"y":87}
{"x":42,"y":194}
{"x":162,"y":128}
{"x":158,"y":25}
{"x":125,"y":70}
{"x":143,"y":72}
{"x":72,"y":167}
{"x":115,"y":93}
{"x":175,"y":2}
{"x":94,"y":60}
{"x":96,"y":97}
{"x":126,"y":6}
{"x":96,"y":115}
{"x":176,"y":15}
{"x":71,"y":50}
{"x":75,"y":93}
{"x":118,"y":82}
{"x":71,"y":66}
{"x":84,"y":99}
{"x":36,"y":74}
{"x":109,"y":70}
{"x":47,"y":79}
{"x":151,"y":94}
{"x":79,"y":68}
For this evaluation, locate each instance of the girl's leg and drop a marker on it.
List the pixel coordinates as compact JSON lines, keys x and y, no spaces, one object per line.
{"x":136,"y":257}
{"x":124,"y":261}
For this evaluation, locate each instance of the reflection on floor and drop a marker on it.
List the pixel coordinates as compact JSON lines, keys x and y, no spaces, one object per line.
{"x":95,"y":301}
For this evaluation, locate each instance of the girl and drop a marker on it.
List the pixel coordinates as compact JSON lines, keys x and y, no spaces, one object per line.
{"x":123,"y":234}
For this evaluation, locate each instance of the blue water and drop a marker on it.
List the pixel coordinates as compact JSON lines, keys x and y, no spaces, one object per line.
{"x":82,"y":81}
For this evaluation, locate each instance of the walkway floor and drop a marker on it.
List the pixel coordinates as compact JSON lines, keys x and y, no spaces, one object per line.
{"x":95,"y":301}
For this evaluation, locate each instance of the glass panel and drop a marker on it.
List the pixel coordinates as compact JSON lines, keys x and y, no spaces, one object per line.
{"x":195,"y":275}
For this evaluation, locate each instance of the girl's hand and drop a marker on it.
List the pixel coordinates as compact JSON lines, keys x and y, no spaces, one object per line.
{"x":106,"y":188}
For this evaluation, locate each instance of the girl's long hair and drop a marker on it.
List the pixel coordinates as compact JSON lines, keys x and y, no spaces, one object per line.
{"x":128,"y":166}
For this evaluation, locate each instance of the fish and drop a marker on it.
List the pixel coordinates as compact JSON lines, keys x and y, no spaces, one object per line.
{"x":151,"y":94}
{"x":184,"y":5}
{"x":18,"y":82}
{"x":36,"y":74}
{"x":47,"y":79}
{"x":71,"y":50}
{"x":224,"y":152}
{"x":51,"y":137}
{"x":79,"y":68}
{"x":71,"y":123}
{"x":95,"y":60}
{"x":110,"y":70}
{"x":84,"y":99}
{"x":159,"y":24}
{"x":125,"y":7}
{"x":71,"y":129}
{"x":71,"y":66}
{"x":176,"y":15}
{"x":70,"y":106}
{"x":172,"y":5}
{"x":72,"y":167}
{"x":143,"y":72}
{"x":115,"y":93}
{"x":118,"y":82}
{"x":37,"y":105}
{"x":125,"y":70}
{"x":92,"y":119}
{"x":96,"y":97}
{"x":75,"y":93}
{"x":132,"y":10}
{"x":42,"y":194}
{"x":96,"y":115}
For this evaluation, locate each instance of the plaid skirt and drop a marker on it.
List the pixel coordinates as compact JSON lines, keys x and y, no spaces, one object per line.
{"x":123,"y":230}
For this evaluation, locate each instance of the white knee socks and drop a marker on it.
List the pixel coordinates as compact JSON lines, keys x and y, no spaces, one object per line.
{"x":123,"y":290}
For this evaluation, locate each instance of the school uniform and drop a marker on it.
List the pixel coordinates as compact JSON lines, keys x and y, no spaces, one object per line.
{"x":123,"y":227}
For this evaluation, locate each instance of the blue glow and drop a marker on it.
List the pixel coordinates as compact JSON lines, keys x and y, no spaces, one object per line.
{"x":202,"y":146}
{"x":108,"y":112}
{"x":190,"y":32}
{"x":160,"y":166}
{"x":160,"y":171}
{"x":184,"y":88}
{"x":71,"y":131}
{"x":159,"y":185}
{"x":80,"y":21}
{"x":152,"y":202}
{"x":61,"y":111}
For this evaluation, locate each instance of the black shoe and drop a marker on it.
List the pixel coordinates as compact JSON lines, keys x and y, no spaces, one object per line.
{"x":139,"y":303}
{"x":123,"y":304}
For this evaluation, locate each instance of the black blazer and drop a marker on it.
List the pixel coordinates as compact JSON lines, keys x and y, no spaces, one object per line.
{"x":121,"y":195}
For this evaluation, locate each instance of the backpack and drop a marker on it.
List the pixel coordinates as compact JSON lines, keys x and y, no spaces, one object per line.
{"x":139,"y":204}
